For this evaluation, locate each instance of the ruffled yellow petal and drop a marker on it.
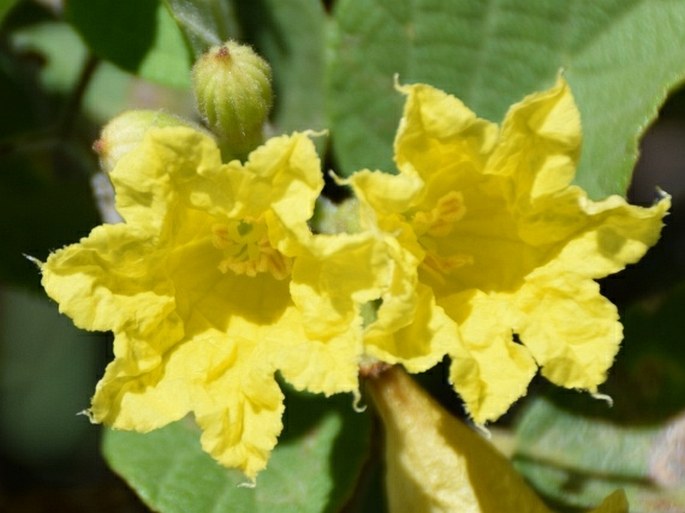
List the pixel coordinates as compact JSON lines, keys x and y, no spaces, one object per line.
{"x":147,"y":181}
{"x":419,"y":345}
{"x":440,"y":139}
{"x":608,"y":235}
{"x":398,"y":287}
{"x":227,"y":364}
{"x":222,"y":370}
{"x":293,"y":176}
{"x":366,"y":284}
{"x":339,"y":273}
{"x":539,"y":143}
{"x":408,"y":327}
{"x":570,"y":328}
{"x":283,"y":175}
{"x":324,"y":365}
{"x":227,"y":381}
{"x":489,"y":370}
{"x":238,"y":404}
{"x":386,"y":194}
{"x":103,"y":283}
{"x":137,"y":391}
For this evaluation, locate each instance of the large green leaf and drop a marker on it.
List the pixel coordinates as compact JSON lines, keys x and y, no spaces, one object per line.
{"x":313,"y":468}
{"x":139,"y":36}
{"x":576,"y":460}
{"x":620,"y":56}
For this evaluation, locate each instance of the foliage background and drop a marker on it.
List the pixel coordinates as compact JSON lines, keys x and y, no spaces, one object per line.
{"x":65,"y":69}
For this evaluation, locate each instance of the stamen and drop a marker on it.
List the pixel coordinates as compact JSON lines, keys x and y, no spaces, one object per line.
{"x":439,"y":265}
{"x":247,"y":250}
{"x":439,"y":221}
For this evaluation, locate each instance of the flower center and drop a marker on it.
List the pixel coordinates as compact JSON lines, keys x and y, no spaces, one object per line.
{"x":435,"y":224}
{"x":247,"y":250}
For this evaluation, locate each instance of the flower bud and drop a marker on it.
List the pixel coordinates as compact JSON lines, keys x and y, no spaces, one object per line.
{"x":232,"y":86}
{"x":123,"y":133}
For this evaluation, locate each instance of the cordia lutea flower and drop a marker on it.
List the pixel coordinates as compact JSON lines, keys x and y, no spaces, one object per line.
{"x":509,"y":247}
{"x":195,"y":286}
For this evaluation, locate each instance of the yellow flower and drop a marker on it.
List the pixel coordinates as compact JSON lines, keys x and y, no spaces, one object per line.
{"x":508,"y":246}
{"x":195,"y":287}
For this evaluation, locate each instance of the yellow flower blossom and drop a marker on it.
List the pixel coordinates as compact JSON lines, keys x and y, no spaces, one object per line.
{"x":508,"y":246}
{"x":195,"y":286}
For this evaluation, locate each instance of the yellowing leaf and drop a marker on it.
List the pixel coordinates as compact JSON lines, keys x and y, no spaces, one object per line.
{"x":436,"y":464}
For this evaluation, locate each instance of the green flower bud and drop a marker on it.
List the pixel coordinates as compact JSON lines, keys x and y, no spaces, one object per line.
{"x":232,"y":86}
{"x":126,"y":131}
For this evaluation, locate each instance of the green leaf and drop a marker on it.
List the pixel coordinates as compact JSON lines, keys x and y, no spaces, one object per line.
{"x":139,"y":36}
{"x":313,"y":468}
{"x":290,"y":36}
{"x":576,"y":461}
{"x":205,"y":23}
{"x":620,"y":57}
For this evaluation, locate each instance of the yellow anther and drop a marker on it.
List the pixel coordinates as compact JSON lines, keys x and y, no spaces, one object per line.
{"x":440,"y":220}
{"x":247,"y":250}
